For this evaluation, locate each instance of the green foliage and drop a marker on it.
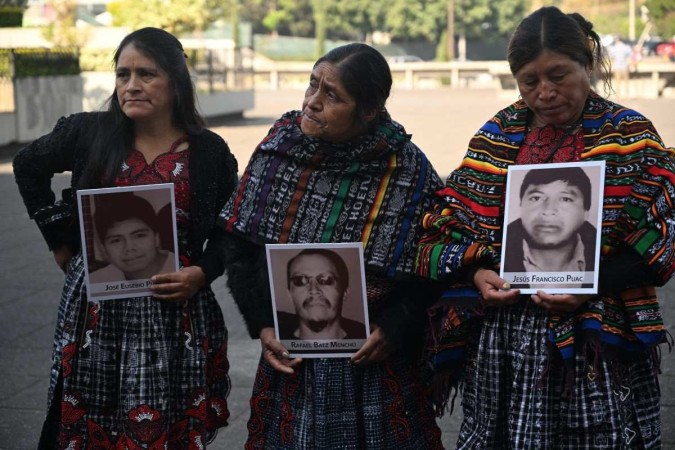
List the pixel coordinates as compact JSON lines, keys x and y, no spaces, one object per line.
{"x":320,"y":9}
{"x":175,"y":16}
{"x":96,"y":60}
{"x":32,"y":62}
{"x":11,"y":16}
{"x":5,"y":63}
{"x":662,"y":12}
{"x":442,"y":47}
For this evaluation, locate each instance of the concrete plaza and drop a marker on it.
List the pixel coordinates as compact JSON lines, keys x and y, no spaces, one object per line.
{"x":441,"y":121}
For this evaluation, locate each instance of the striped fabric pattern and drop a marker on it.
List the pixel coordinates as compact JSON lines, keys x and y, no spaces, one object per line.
{"x":300,"y":189}
{"x":465,"y":227}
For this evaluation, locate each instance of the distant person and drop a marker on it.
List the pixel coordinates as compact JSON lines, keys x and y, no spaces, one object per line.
{"x":318,"y":285}
{"x":338,"y":170}
{"x":152,"y":371}
{"x":554,"y":371}
{"x":127,"y":227}
{"x":620,"y":54}
{"x":553,"y":233}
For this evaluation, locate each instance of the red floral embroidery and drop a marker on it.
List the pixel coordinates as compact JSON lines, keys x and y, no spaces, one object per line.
{"x":70,"y":442}
{"x":396,"y":405}
{"x":212,"y":411}
{"x":145,"y":424}
{"x":71,"y":408}
{"x":196,"y":442}
{"x":198,"y":406}
{"x":551,"y":144}
{"x":175,"y":435}
{"x":169,"y":165}
{"x":217,"y":365}
{"x":68,"y":354}
{"x":135,"y":165}
{"x":98,"y":437}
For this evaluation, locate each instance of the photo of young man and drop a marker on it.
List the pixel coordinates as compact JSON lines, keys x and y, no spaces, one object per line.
{"x":128,"y":236}
{"x":552,"y":243}
{"x":130,"y":240}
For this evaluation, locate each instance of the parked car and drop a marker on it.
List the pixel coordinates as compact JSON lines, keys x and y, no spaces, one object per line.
{"x":666,"y":49}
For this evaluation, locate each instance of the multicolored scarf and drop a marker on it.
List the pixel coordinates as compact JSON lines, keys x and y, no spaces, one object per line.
{"x":465,"y":229}
{"x":299,"y":189}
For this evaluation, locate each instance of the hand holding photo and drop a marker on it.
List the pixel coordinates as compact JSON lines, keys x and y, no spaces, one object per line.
{"x":127,"y":237}
{"x":554,"y":217}
{"x":319,"y":300}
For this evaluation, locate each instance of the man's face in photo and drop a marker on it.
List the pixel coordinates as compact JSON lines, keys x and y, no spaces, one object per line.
{"x":552,"y":213}
{"x":131,"y":245}
{"x":315,"y":289}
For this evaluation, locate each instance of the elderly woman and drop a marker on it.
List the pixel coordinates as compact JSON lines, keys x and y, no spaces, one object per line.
{"x":555,"y":371}
{"x":340,"y":170}
{"x":144,"y":372}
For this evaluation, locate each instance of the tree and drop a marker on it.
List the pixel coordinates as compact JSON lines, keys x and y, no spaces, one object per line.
{"x":175,"y":16}
{"x":320,"y":10}
{"x":662,"y":13}
{"x":11,"y":12}
{"x":62,"y":31}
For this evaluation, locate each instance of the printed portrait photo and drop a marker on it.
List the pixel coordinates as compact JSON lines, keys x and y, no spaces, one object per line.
{"x":319,"y":298}
{"x":552,"y":227}
{"x":128,"y":235}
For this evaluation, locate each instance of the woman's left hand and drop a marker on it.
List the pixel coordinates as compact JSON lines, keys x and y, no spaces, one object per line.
{"x":178,"y":286}
{"x":375,"y":349}
{"x":560,"y":303}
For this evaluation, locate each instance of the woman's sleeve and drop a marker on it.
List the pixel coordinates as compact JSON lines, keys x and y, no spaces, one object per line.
{"x":212,"y":260}
{"x":34,"y":168}
{"x":646,"y":224}
{"x":248,"y":281}
{"x":463,"y":228}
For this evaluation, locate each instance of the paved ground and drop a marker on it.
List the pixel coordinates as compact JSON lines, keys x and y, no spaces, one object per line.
{"x":441,"y":121}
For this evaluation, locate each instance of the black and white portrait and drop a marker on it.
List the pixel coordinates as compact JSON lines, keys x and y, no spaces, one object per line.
{"x":128,"y":235}
{"x":552,"y":227}
{"x":319,"y":298}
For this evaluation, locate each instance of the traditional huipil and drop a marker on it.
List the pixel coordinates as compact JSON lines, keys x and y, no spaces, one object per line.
{"x":581,"y":380}
{"x":299,"y":189}
{"x":138,"y":372}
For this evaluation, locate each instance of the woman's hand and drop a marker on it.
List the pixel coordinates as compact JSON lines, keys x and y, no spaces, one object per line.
{"x":178,"y":286}
{"x":276,"y":354}
{"x":62,"y":256}
{"x":495,"y":291}
{"x":375,"y":349}
{"x":560,"y":302}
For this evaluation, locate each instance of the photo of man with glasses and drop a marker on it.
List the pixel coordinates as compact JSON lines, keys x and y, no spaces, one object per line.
{"x":318,"y":285}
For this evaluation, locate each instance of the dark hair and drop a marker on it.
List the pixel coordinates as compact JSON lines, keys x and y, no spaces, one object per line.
{"x":334,"y":258}
{"x":365,"y":75}
{"x":574,"y":176}
{"x":113,"y":137}
{"x":119,"y":206}
{"x":571,"y":35}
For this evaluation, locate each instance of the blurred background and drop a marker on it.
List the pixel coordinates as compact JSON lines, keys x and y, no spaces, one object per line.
{"x":55,"y":55}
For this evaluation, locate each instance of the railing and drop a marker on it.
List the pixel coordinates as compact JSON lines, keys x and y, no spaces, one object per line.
{"x":648,"y":79}
{"x":407,"y":75}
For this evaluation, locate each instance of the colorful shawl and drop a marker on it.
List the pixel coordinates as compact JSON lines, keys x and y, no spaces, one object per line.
{"x":465,"y":229}
{"x":298,"y":189}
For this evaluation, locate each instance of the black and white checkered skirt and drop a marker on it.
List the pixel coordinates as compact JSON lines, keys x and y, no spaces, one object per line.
{"x":514,"y":393}
{"x":138,"y":371}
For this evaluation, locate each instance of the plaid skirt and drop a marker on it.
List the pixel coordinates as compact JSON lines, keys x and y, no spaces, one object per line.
{"x":138,"y":373}
{"x":516,"y":397}
{"x":333,"y":404}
